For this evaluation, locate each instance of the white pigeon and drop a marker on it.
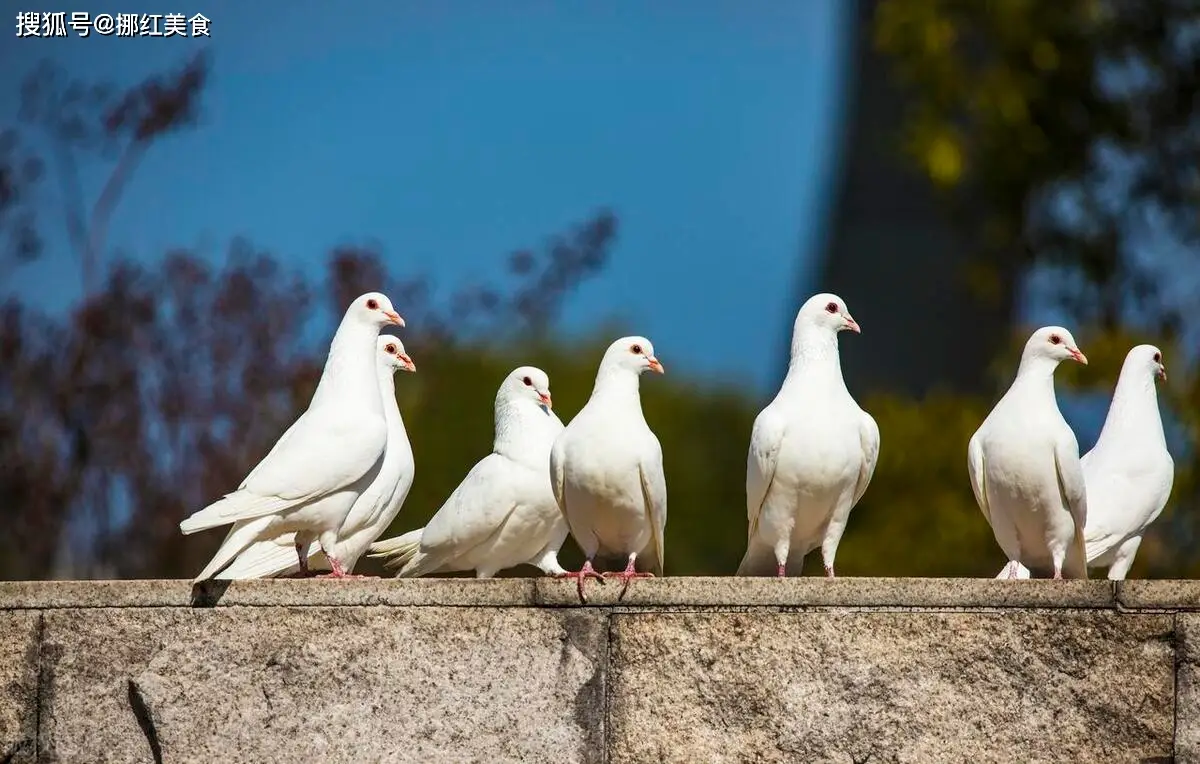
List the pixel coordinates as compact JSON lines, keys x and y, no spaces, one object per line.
{"x":375,"y":508}
{"x":812,"y":451}
{"x":607,"y":472}
{"x":1128,"y":473}
{"x":503,"y":513}
{"x":327,"y":458}
{"x":1025,"y":467}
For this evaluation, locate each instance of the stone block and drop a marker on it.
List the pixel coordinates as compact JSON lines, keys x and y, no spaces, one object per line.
{"x":18,"y":680}
{"x":434,"y":684}
{"x":1049,"y":686}
{"x":1187,"y":689}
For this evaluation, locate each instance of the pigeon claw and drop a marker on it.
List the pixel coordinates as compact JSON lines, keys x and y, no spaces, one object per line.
{"x":626,"y":577}
{"x":587,"y":571}
{"x":829,"y":571}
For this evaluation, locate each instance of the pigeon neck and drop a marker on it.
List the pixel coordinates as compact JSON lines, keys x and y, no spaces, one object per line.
{"x":519,"y":423}
{"x":1134,"y":409}
{"x":1036,"y":372}
{"x":350,"y":368}
{"x":387,"y":395}
{"x":617,"y":383}
{"x":814,"y":353}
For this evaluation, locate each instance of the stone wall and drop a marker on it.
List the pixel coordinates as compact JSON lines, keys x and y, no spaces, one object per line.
{"x":682,"y":670}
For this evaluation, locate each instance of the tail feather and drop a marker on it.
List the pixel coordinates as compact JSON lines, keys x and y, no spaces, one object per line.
{"x":399,"y":550}
{"x":759,"y":560}
{"x":1075,"y":566}
{"x":240,"y":505}
{"x":238,"y":539}
{"x":264,"y":559}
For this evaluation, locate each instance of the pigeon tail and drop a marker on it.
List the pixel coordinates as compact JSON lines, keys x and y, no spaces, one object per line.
{"x":264,"y":559}
{"x":237,"y":540}
{"x":758,"y":561}
{"x":398,"y":551}
{"x":240,"y":505}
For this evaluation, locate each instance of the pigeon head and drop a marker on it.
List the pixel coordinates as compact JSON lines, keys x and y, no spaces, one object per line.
{"x":827,"y":311}
{"x":1149,"y":358}
{"x":529,"y":382}
{"x":633,"y":353}
{"x":393,"y":355}
{"x":374,"y":309}
{"x":1055,"y":343}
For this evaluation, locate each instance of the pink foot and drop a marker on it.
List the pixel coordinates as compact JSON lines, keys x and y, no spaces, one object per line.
{"x":829,"y":571}
{"x":781,"y":571}
{"x":339,"y":571}
{"x":584,"y":573}
{"x":626,"y":576}
{"x":1057,"y":574}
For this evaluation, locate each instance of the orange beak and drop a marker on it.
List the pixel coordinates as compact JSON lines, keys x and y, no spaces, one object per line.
{"x":394,"y":317}
{"x":545,"y":398}
{"x":1078,"y":355}
{"x":408,"y":362}
{"x":655,"y":365}
{"x":852,"y":325}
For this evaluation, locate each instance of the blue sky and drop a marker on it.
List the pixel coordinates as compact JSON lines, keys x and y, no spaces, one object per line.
{"x":454,"y":133}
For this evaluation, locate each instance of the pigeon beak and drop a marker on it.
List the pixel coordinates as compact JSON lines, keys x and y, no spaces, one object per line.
{"x":545,"y":399}
{"x":655,"y":365}
{"x":851,"y":324}
{"x":1161,"y":372}
{"x":394,"y":317}
{"x":1078,"y":355}
{"x":408,"y":362}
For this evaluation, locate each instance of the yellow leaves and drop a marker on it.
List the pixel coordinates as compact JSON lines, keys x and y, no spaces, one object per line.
{"x":939,"y":35}
{"x":944,"y":160}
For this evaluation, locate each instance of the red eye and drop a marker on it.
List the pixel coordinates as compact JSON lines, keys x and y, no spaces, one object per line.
{"x":636,"y":349}
{"x":528,"y":382}
{"x":831,"y":307}
{"x":373,"y":304}
{"x":1055,"y":339}
{"x":1158,"y":357}
{"x":390,"y":348}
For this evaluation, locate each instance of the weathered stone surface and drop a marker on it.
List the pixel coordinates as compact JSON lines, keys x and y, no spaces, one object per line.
{"x":18,"y":680}
{"x":454,"y":592}
{"x":891,"y":687}
{"x":323,"y":684}
{"x":817,"y":591}
{"x":1159,"y":594}
{"x":1187,"y":687}
{"x":686,"y":592}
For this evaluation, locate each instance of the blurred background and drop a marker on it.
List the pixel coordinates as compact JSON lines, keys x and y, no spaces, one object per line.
{"x":183,"y":219}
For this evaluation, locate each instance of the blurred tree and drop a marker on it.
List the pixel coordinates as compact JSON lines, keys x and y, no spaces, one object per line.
{"x":172,"y":381}
{"x":1063,"y":140}
{"x":77,"y":118}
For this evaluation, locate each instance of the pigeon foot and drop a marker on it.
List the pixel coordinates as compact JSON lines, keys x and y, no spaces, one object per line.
{"x":829,"y":572}
{"x":626,"y":576}
{"x":338,"y":571}
{"x":781,"y":571}
{"x":584,"y":573}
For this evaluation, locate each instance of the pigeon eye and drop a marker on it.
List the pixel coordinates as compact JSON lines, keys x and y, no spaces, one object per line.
{"x":1158,"y":357}
{"x":1055,"y":339}
{"x":390,"y":348}
{"x":831,"y":307}
{"x":373,"y":304}
{"x":636,"y":349}
{"x":528,"y":382}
